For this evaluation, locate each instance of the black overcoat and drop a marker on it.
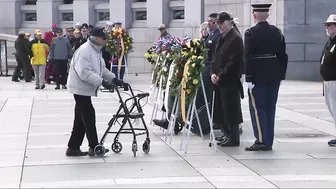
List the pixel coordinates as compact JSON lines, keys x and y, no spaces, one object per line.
{"x":226,"y":64}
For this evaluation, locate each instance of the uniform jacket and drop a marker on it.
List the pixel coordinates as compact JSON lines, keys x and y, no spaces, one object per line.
{"x":328,"y":61}
{"x":211,"y":41}
{"x":265,"y":54}
{"x":80,"y":41}
{"x":38,"y":51}
{"x":87,"y":71}
{"x":226,"y":64}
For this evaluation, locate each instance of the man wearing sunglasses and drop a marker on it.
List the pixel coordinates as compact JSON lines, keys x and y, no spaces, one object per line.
{"x":87,"y":73}
{"x":328,"y":68}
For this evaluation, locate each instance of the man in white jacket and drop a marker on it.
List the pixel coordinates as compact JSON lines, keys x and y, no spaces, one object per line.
{"x":87,"y":73}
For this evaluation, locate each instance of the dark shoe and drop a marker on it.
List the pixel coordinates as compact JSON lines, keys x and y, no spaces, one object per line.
{"x":228,"y":143}
{"x":92,"y":153}
{"x":332,"y":143}
{"x":161,"y":123}
{"x":15,"y":80}
{"x":75,"y":152}
{"x":258,"y":147}
{"x":57,"y":87}
{"x":28,"y":81}
{"x":43,"y":86}
{"x":221,"y":138}
{"x":178,"y":128}
{"x":64,"y":87}
{"x":37,"y":87}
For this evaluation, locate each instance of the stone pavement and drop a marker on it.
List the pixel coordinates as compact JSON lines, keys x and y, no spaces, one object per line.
{"x":35,"y":127}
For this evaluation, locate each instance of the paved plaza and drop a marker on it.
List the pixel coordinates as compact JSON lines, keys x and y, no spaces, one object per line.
{"x":35,"y":127}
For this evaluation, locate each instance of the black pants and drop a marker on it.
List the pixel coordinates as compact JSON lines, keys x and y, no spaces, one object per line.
{"x":23,"y":63}
{"x":61,"y":69}
{"x":84,"y":123}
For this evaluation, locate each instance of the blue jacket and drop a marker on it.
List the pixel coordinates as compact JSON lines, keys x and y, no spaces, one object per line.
{"x":211,"y":42}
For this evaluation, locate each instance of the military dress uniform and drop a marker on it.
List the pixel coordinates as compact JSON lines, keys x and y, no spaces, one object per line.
{"x":265,"y":68}
{"x":82,"y":39}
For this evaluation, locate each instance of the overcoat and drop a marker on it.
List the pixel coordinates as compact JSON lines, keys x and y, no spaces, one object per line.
{"x":226,"y":64}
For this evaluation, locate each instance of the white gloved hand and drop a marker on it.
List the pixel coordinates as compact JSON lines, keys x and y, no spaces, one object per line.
{"x":250,"y":85}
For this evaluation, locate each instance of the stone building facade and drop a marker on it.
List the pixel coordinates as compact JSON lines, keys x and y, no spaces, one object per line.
{"x":300,"y":21}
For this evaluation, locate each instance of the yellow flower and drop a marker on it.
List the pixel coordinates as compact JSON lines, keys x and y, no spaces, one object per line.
{"x":184,"y":53}
{"x":147,"y":55}
{"x":188,"y":91}
{"x":188,"y":73}
{"x":194,"y":57}
{"x":195,"y":81}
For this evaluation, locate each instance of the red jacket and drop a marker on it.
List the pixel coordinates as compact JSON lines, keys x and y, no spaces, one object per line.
{"x":48,"y":36}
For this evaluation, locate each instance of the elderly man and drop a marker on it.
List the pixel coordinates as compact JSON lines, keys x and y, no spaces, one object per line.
{"x":225,"y":75}
{"x":87,"y":74}
{"x":266,"y":65}
{"x":163,"y":32}
{"x":328,"y":68}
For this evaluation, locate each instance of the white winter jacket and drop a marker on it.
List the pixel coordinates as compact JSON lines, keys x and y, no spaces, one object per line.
{"x":87,"y":71}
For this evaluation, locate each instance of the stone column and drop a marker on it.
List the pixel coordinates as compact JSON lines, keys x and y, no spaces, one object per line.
{"x":193,"y":13}
{"x":47,"y":13}
{"x":11,"y":16}
{"x":121,"y":10}
{"x":81,"y":11}
{"x":157,"y":13}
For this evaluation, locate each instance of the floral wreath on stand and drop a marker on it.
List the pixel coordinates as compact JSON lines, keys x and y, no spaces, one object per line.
{"x":119,"y":44}
{"x":197,"y":52}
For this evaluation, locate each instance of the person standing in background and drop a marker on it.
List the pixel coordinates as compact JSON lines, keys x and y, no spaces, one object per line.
{"x":38,"y":55}
{"x":22,"y":58}
{"x":60,"y":52}
{"x":328,"y":68}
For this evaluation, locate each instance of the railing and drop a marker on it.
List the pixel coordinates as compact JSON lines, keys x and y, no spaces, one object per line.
{"x":6,"y":50}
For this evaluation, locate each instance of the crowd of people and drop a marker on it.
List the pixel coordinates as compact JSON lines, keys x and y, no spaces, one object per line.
{"x":46,"y":58}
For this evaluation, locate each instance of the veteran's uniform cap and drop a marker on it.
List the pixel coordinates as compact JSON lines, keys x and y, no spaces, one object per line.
{"x":223,"y":16}
{"x":261,"y":7}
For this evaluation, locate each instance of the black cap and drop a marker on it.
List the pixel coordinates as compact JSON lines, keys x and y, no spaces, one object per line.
{"x":223,"y":16}
{"x":98,"y":32}
{"x":85,"y":26}
{"x":261,"y":7}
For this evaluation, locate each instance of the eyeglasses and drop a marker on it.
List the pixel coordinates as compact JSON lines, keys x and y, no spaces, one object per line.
{"x":327,"y":25}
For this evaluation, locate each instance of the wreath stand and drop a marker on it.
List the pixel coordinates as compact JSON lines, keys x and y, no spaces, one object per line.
{"x":123,"y":65}
{"x":156,"y":95}
{"x":190,"y":114}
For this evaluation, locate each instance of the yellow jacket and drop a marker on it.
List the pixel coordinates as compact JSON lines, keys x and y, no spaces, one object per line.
{"x":38,"y":51}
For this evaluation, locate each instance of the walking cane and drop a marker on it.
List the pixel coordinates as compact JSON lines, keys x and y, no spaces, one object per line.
{"x":212,"y":111}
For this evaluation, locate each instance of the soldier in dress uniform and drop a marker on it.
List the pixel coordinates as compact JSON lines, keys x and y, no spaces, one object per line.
{"x":265,"y":68}
{"x":82,"y":39}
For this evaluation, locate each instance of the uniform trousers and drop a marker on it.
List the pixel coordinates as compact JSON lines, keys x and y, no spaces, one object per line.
{"x":122,"y":69}
{"x":330,"y":97}
{"x":262,"y":104}
{"x":84,"y":123}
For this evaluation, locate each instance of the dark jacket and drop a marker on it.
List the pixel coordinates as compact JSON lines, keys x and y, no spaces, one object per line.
{"x":328,"y":61}
{"x":211,"y":42}
{"x":228,"y":58}
{"x":80,"y":41}
{"x":226,"y":64}
{"x":265,"y":54}
{"x":22,"y":46}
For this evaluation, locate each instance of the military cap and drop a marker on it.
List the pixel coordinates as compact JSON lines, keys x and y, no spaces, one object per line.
{"x":261,"y":7}
{"x":85,"y":26}
{"x":117,"y":22}
{"x":223,"y":16}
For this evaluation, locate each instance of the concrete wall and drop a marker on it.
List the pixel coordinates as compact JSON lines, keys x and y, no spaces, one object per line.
{"x":305,"y":35}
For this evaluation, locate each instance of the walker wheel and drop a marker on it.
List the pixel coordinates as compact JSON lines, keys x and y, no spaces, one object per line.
{"x":99,"y":150}
{"x":146,"y":147}
{"x":116,"y":147}
{"x":134,"y":148}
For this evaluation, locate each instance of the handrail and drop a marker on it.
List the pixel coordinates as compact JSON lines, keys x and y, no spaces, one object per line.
{"x":7,"y":37}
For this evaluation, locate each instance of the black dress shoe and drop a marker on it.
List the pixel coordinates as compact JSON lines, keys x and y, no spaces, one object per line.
{"x":258,"y":147}
{"x":228,"y":143}
{"x":332,"y":143}
{"x":163,"y":123}
{"x":221,"y":138}
{"x":75,"y":152}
